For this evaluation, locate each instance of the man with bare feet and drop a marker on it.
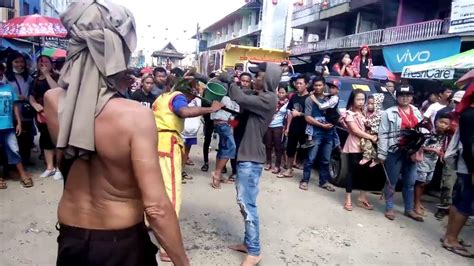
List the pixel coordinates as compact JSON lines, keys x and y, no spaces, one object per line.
{"x":251,"y":156}
{"x":110,"y":162}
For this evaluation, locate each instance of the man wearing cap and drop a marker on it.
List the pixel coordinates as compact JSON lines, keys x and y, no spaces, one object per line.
{"x":396,"y":162}
{"x":449,"y":174}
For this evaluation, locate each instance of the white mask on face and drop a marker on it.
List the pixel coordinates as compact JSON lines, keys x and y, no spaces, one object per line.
{"x":18,"y":72}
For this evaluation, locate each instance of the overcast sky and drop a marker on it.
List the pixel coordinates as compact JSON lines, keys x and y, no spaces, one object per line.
{"x":161,"y":21}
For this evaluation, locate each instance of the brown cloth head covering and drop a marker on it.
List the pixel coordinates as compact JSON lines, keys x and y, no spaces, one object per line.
{"x":102,"y":38}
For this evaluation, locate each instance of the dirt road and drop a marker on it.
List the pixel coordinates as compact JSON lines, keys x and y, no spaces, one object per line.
{"x":297,"y":228}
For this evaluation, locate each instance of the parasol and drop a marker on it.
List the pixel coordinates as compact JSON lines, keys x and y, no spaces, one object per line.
{"x":33,"y":26}
{"x":382,"y":73}
{"x":468,"y":77}
{"x":146,"y":70}
{"x":54,"y":52}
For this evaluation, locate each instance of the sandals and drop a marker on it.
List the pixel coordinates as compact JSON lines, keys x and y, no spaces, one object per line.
{"x":276,"y":170}
{"x":348,"y":206}
{"x":164,"y":257}
{"x":304,"y":186}
{"x":185,"y":175}
{"x":328,"y":187}
{"x":297,"y":166}
{"x":461,"y":242}
{"x":390,"y":215}
{"x":231,"y":178}
{"x":189,"y":162}
{"x":3,"y":184}
{"x":27,"y":182}
{"x":286,"y":174}
{"x":215,"y":182}
{"x":267,"y":167}
{"x":461,"y":251}
{"x":364,"y":205}
{"x":205,"y":167}
{"x":414,"y":216}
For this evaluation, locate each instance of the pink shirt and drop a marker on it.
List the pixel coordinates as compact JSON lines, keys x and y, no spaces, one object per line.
{"x":352,"y":144}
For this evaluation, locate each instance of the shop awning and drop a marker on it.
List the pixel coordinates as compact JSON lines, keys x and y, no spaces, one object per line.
{"x":441,"y":69}
{"x":20,"y":46}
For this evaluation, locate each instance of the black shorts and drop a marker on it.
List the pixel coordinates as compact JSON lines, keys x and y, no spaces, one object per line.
{"x":126,"y":247}
{"x":293,"y":139}
{"x":45,"y":141}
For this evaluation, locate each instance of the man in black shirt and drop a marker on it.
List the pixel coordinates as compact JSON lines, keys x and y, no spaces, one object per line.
{"x":144,"y":95}
{"x":296,"y":123}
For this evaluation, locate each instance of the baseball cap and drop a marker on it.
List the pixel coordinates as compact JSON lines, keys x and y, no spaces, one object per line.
{"x":334,"y":83}
{"x":457,"y":97}
{"x":405,"y":89}
{"x":261,"y":67}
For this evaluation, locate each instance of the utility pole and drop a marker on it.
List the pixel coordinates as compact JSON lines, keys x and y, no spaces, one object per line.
{"x":198,"y":42}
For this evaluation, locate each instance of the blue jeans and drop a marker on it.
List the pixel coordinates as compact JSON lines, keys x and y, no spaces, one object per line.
{"x":10,"y":145}
{"x":227,"y":147}
{"x":246,"y":184}
{"x":396,"y":164}
{"x":324,"y":143}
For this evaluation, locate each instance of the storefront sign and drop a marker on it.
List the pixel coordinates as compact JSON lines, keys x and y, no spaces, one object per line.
{"x":401,"y":55}
{"x":462,"y":16}
{"x":428,"y":74}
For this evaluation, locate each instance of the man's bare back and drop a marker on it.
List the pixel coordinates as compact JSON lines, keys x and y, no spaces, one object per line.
{"x":113,"y":189}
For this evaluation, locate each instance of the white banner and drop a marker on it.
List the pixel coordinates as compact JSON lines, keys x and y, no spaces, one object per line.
{"x":428,"y":74}
{"x":462,"y":16}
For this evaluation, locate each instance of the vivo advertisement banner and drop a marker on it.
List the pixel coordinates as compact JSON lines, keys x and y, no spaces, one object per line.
{"x":401,"y":55}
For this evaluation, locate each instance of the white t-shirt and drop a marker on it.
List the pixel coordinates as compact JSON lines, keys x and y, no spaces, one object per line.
{"x":192,"y":124}
{"x":432,"y":111}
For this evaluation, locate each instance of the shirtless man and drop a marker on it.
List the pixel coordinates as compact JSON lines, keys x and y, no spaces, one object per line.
{"x":101,"y":210}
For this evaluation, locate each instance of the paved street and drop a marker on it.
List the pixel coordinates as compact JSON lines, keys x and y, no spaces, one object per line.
{"x":297,"y":228}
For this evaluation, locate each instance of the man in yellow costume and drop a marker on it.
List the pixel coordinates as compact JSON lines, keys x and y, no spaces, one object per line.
{"x":170,"y":110}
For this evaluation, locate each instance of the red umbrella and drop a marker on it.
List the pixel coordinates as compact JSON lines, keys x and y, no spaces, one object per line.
{"x":33,"y":26}
{"x":146,"y":70}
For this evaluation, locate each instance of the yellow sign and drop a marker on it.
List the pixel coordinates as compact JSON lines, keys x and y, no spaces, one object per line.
{"x":361,"y":87}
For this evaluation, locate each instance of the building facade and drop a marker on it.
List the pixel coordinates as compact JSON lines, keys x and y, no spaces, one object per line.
{"x":333,"y":26}
{"x":257,"y":23}
{"x":54,"y":8}
{"x":168,"y":57}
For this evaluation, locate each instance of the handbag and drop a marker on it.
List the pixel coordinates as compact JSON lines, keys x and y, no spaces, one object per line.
{"x":27,"y":111}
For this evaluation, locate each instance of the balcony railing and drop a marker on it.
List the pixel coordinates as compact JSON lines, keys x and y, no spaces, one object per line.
{"x":333,"y":3}
{"x":306,"y":10}
{"x":412,"y":32}
{"x":242,"y":32}
{"x":422,"y":30}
